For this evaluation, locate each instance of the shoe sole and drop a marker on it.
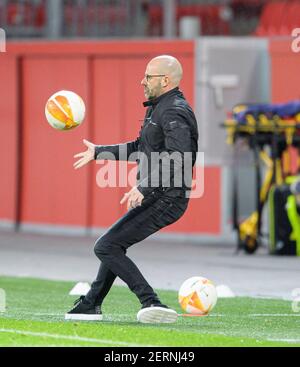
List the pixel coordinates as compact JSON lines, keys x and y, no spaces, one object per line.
{"x":82,"y":317}
{"x":157,"y":315}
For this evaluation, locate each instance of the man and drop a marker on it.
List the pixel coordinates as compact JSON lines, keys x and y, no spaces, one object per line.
{"x":160,"y":196}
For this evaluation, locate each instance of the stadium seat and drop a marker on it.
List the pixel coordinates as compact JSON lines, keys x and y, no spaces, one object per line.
{"x":107,"y":18}
{"x":155,"y":20}
{"x":291,"y":18}
{"x":27,"y":14}
{"x":271,"y":19}
{"x":209,"y":15}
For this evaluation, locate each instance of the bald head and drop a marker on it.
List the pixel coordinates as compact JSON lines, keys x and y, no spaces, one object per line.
{"x":169,"y":66}
{"x":163,"y":73}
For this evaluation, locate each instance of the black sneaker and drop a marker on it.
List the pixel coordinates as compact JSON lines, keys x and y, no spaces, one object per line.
{"x":156,"y":313}
{"x":84,"y":311}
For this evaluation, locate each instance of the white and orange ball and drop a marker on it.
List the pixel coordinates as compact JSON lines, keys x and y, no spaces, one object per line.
{"x":65,"y":110}
{"x":197,"y":296}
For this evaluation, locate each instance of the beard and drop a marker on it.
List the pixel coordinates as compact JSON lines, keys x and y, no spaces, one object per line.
{"x":151,"y":94}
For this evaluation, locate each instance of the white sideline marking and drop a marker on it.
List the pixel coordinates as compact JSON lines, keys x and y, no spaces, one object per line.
{"x":41,"y":313}
{"x":274,"y":314}
{"x":107,"y":317}
{"x":256,"y":315}
{"x":284,"y":340}
{"x":69,"y":337}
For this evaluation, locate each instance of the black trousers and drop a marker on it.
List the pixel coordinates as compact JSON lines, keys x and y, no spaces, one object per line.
{"x":156,"y":212}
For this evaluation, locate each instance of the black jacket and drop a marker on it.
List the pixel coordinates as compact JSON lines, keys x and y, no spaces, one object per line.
{"x":166,"y":148}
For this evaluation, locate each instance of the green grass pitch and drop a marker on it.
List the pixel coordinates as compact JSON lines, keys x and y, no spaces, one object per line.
{"x":35,"y":311}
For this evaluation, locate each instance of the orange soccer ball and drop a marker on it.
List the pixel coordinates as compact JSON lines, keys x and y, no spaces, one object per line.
{"x":197,"y":295}
{"x":65,"y":110}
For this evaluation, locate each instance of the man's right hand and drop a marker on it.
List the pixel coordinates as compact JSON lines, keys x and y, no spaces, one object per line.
{"x":85,"y":157}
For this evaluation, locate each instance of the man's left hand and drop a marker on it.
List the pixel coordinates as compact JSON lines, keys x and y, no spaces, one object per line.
{"x":134,"y":198}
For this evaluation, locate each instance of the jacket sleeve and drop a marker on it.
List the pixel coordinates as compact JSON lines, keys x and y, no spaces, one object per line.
{"x":177,"y":138}
{"x":118,"y":152}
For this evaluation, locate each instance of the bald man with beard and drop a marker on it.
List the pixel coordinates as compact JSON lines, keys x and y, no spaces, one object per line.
{"x":165,"y":152}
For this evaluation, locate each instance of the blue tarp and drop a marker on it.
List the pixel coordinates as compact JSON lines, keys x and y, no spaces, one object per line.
{"x":283,"y":110}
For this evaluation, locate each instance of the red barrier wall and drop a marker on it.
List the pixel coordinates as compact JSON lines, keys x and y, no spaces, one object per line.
{"x":9,"y":129}
{"x":285,"y":76}
{"x":107,"y":75}
{"x":52,"y":192}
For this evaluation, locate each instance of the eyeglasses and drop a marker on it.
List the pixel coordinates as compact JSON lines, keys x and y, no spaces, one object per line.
{"x":149,"y":77}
